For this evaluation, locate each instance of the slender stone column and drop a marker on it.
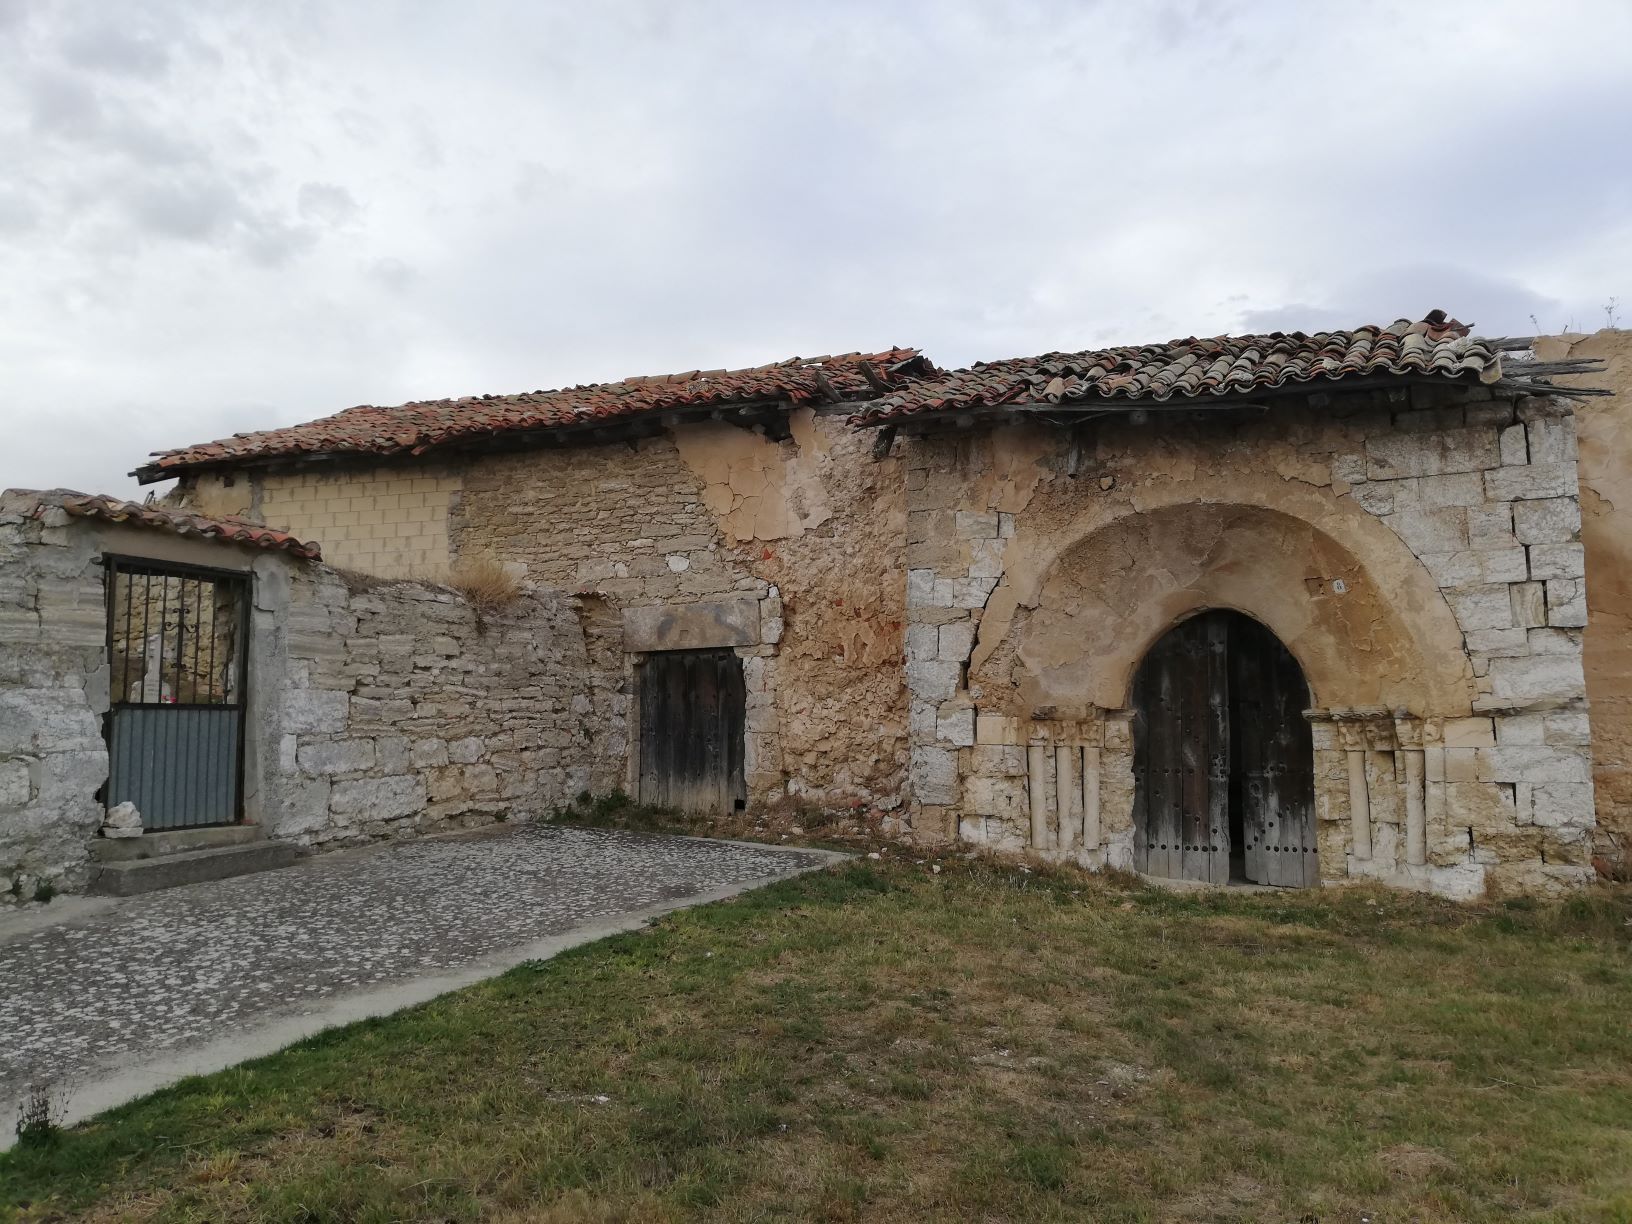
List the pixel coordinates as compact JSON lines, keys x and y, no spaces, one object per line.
{"x":1416,"y":820}
{"x":1067,"y":794}
{"x":1359,"y":803}
{"x":1037,"y":769}
{"x":1091,"y":837}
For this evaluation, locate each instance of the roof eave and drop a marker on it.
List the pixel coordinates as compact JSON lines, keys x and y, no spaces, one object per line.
{"x":588,"y":433}
{"x":1093,"y":404}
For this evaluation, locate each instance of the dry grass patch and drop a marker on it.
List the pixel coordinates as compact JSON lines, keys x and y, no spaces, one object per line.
{"x":487,"y":586}
{"x":883,"y":1042}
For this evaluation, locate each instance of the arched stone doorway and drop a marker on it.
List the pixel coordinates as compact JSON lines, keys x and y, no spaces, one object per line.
{"x":1223,"y":757}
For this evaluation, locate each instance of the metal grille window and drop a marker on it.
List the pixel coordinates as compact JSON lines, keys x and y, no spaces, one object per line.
{"x":177,"y":654}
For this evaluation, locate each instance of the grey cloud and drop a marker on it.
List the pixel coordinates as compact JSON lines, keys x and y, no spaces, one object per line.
{"x":392,"y":275}
{"x":113,"y":49}
{"x":326,"y":204}
{"x":272,"y":242}
{"x":61,"y":104}
{"x":189,"y":209}
{"x":212,"y":210}
{"x":17,"y":214}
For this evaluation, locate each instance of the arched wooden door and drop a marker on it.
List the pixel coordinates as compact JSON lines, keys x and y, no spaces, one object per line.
{"x":1223,"y":757}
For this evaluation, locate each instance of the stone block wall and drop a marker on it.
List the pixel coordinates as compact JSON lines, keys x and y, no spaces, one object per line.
{"x":1418,"y":551}
{"x":53,"y":691}
{"x":403,"y":711}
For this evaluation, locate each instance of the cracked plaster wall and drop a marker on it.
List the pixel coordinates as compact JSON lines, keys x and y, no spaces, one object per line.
{"x":1413,"y":549}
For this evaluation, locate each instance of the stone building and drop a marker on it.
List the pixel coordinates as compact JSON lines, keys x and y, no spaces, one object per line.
{"x":727,"y":511}
{"x":1289,"y":609}
{"x":1097,"y":541}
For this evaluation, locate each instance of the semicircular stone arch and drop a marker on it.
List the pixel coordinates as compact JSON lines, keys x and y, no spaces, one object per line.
{"x":1100,"y":604}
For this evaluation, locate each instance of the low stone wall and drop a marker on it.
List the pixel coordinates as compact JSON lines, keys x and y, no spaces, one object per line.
{"x":406,"y":711}
{"x":376,"y":709}
{"x":53,"y":690}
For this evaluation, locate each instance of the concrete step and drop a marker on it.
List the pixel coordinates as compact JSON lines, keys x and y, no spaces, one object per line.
{"x":159,"y":842}
{"x":132,"y":876}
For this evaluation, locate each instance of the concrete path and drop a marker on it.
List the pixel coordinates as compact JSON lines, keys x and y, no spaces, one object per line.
{"x":105,"y":1000}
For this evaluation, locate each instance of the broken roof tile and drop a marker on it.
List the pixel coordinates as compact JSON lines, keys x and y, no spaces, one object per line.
{"x":179,"y":522}
{"x":1436,"y":346}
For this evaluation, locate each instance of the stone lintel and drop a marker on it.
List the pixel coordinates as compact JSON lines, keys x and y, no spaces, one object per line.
{"x":692,"y":626}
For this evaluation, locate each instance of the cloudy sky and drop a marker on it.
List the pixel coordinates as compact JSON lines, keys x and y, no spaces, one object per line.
{"x":225,"y":216}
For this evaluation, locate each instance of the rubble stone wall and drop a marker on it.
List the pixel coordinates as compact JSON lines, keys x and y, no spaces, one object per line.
{"x":377,"y":708}
{"x":404,"y":711}
{"x":53,"y":691}
{"x":1416,"y":551}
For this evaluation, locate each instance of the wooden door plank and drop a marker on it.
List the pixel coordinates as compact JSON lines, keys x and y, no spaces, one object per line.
{"x":1193,"y":760}
{"x":1216,"y":828}
{"x":1276,"y":756}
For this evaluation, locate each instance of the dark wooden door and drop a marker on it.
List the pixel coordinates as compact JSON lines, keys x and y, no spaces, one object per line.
{"x":1273,"y":757}
{"x":1181,"y":755}
{"x":1223,"y":758}
{"x":693,"y":707}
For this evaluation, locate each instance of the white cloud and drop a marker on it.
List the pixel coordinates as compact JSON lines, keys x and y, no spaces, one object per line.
{"x":232,"y":216}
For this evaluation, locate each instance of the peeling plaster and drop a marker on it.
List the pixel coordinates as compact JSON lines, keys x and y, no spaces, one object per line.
{"x":755,"y":488}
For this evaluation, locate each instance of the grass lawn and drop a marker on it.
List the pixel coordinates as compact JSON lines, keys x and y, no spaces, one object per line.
{"x":887,"y":1042}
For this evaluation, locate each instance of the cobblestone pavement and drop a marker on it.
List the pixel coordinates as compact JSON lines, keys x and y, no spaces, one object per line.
{"x":136,"y":978}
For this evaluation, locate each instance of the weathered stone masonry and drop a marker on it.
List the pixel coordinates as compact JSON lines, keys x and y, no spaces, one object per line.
{"x":1416,"y":550}
{"x":53,"y":691}
{"x":377,"y":709}
{"x":796,"y":544}
{"x":406,"y":712}
{"x":951,"y":624}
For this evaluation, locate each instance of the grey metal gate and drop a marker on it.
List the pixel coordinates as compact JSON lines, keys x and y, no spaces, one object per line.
{"x":177,"y":656}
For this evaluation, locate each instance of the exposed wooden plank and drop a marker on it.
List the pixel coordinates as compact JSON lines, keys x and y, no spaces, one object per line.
{"x":1216,"y":818}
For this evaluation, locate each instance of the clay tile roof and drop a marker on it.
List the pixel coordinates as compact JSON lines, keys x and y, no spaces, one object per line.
{"x":1437,"y":346}
{"x":181,"y":522}
{"x":418,"y":427}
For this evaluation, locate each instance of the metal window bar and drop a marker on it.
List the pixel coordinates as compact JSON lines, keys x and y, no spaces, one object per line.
{"x":176,"y":721}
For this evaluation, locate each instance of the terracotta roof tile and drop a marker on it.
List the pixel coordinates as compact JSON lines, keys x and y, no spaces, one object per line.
{"x":180,"y":522}
{"x":417,"y":427}
{"x":1435,"y":347}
